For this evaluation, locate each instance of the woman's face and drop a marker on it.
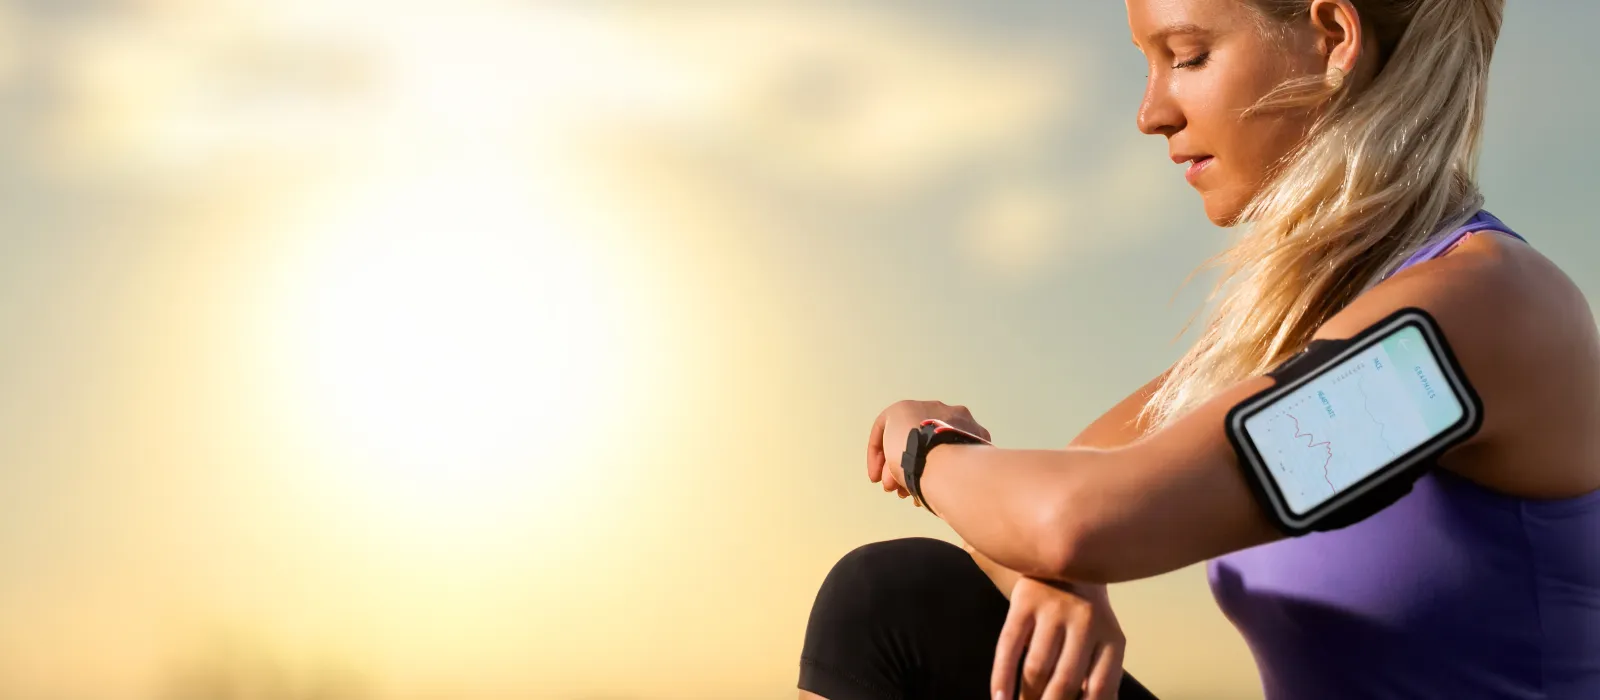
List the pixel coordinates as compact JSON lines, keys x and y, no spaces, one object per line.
{"x":1209,"y":60}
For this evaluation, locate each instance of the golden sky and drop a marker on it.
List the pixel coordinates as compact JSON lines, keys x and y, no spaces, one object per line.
{"x":481,"y":349}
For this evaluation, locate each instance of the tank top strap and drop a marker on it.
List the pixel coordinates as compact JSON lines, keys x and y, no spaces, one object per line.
{"x":1481,"y":221}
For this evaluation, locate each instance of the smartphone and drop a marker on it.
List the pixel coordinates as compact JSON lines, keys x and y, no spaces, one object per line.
{"x":1346,"y":431}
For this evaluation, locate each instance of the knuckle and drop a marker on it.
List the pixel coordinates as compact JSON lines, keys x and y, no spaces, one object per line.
{"x":1033,"y":667}
{"x":1096,"y":687}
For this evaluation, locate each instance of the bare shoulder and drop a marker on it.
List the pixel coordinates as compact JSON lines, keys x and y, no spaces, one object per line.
{"x":1527,"y":339}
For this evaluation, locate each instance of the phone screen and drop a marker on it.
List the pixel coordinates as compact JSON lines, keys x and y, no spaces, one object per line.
{"x":1354,"y":418}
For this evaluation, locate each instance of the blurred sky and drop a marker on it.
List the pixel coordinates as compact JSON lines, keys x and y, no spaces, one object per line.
{"x":426,"y":349}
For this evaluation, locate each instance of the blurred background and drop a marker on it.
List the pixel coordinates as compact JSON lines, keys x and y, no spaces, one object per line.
{"x":456,"y":349}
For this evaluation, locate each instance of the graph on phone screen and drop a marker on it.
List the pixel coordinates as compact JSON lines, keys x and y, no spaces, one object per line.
{"x":1339,"y":428}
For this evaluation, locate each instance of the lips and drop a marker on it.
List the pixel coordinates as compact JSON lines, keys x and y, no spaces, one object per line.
{"x":1197,"y":166}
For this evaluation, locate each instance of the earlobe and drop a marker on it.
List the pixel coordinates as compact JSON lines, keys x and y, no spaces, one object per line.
{"x":1335,"y":78}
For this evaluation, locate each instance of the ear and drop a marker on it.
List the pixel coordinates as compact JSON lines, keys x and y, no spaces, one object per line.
{"x":1337,"y":27}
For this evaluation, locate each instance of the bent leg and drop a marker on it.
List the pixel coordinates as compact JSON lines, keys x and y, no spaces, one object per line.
{"x":907,"y":619}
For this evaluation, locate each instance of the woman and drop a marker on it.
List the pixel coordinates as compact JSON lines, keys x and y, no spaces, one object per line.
{"x":1345,"y":132}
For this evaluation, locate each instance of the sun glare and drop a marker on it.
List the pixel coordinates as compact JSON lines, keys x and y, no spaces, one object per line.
{"x":458,"y":352}
{"x":452,"y":331}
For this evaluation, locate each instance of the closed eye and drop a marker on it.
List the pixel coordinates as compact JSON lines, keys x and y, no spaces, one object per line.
{"x":1195,"y":62}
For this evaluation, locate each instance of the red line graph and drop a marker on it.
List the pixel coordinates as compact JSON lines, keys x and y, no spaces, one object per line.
{"x":1311,"y":442}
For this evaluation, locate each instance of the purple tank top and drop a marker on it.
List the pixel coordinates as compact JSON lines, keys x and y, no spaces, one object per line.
{"x":1454,"y":591}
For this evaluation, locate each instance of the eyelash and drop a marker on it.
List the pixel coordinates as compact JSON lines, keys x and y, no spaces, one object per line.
{"x":1195,"y":62}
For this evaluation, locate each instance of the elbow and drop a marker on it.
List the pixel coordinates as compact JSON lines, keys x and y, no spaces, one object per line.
{"x":1073,"y":538}
{"x":1058,"y":548}
{"x":1076,"y":558}
{"x":1065,"y":542}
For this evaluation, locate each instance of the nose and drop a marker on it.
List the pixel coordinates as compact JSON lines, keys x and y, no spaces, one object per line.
{"x":1159,"y":112}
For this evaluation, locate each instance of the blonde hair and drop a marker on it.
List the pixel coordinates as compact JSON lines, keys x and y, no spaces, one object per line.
{"x":1384,"y":167}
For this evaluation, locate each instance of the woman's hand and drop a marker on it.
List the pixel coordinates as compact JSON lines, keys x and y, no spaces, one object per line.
{"x":1065,"y":628}
{"x":888,"y":437}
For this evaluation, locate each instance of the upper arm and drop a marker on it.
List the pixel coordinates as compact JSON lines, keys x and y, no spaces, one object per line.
{"x":1525,"y":339}
{"x":1178,"y":496}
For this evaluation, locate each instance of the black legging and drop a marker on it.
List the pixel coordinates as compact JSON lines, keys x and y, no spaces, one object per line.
{"x":908,"y":619}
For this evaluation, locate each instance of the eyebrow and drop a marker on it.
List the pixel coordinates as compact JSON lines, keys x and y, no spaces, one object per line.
{"x":1174,"y":30}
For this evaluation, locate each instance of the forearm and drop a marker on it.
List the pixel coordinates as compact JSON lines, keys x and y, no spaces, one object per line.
{"x":1004,"y":579}
{"x":1084,"y":514}
{"x":1004,"y":503}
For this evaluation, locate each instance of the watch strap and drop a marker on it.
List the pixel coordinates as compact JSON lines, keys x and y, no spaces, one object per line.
{"x":919,"y":442}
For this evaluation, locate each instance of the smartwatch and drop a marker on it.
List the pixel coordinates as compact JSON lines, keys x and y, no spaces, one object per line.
{"x":932,"y":433}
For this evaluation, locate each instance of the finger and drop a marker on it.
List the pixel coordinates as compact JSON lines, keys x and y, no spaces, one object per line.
{"x":1071,"y":664}
{"x":1008,"y":652}
{"x":875,"y":447}
{"x":1106,"y":677}
{"x":1044,"y":656}
{"x":890,"y":483}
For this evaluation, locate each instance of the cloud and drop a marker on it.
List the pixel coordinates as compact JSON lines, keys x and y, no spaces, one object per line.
{"x":860,"y":100}
{"x":864,"y":122}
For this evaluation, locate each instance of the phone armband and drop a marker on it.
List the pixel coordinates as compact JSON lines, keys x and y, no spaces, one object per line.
{"x":1348,"y":426}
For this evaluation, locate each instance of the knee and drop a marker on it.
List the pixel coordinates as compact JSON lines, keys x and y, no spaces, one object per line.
{"x":884,"y":579}
{"x":895,"y":561}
